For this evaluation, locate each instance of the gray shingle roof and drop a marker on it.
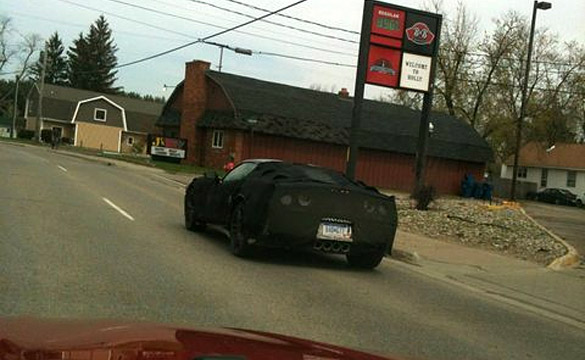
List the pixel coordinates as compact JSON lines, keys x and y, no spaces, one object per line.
{"x":303,"y":113}
{"x":59,"y":102}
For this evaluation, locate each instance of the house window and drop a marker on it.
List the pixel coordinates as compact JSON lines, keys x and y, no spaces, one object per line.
{"x":522,"y":172}
{"x":217,"y":142}
{"x":99,"y":114}
{"x":130,"y":140}
{"x":544,"y":177}
{"x":571,"y":178}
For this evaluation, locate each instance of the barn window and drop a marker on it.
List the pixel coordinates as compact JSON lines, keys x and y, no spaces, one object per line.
{"x":217,"y":141}
{"x":130,"y":140}
{"x":99,"y":114}
{"x":522,"y":172}
{"x":571,"y":178}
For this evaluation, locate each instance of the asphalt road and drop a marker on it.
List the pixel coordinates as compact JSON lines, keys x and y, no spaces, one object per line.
{"x":565,"y":221}
{"x":84,"y":240}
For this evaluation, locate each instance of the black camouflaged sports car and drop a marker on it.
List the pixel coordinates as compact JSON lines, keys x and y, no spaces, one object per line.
{"x":278,"y":204}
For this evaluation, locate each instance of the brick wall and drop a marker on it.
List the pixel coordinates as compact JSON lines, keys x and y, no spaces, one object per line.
{"x":217,"y":158}
{"x":193,"y":104}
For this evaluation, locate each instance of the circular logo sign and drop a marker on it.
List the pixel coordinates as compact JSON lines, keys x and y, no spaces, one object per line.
{"x":420,"y":34}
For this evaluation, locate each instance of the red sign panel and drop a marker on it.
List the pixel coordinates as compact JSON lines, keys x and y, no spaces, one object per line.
{"x":388,"y":22}
{"x":383,"y":66}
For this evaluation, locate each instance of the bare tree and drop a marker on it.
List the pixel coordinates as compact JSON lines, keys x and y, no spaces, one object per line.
{"x":5,"y":52}
{"x":30,"y":44}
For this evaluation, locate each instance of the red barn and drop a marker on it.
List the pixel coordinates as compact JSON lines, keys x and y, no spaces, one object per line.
{"x":223,"y":115}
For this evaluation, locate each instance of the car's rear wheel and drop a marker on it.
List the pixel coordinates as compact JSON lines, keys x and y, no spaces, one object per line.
{"x":238,"y":237}
{"x":191,"y":223}
{"x":579,"y":203}
{"x":367,"y":260}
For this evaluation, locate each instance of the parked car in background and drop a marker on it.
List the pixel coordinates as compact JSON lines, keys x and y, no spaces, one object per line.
{"x":278,"y":204}
{"x":581,"y":200}
{"x":554,"y":196}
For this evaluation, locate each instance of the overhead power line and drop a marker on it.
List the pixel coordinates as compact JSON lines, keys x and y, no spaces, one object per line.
{"x":201,"y":23}
{"x":305,"y":59}
{"x":270,"y":22}
{"x":177,"y":48}
{"x":330,"y":27}
{"x":257,"y":52}
{"x":124,"y":18}
{"x":285,"y":56}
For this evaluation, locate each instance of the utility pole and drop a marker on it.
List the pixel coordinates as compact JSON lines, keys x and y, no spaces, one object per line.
{"x":41,"y":92}
{"x":220,"y":58}
{"x":358,"y":98}
{"x":15,"y":109}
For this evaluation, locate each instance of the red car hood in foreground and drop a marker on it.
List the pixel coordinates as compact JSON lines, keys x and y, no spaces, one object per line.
{"x":36,"y":339}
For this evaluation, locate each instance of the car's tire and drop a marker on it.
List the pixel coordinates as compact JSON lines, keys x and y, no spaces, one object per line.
{"x":579,"y":203}
{"x":191,"y":223}
{"x":367,"y":260}
{"x":238,"y":237}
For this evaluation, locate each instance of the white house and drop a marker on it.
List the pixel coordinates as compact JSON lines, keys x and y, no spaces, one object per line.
{"x":559,"y":166}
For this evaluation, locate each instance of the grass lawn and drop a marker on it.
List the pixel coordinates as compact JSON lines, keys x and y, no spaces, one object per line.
{"x":169,"y":167}
{"x":22,"y":141}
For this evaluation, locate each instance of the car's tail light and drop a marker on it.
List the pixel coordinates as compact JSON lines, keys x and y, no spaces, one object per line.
{"x":369,"y":207}
{"x":286,"y":200}
{"x":304,"y":200}
{"x":382,"y":210}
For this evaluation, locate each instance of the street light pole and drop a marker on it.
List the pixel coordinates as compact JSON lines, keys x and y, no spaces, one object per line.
{"x":15,"y":110}
{"x":537,"y":5}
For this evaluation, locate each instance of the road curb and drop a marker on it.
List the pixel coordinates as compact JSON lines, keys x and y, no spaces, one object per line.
{"x":568,"y":261}
{"x":412,"y":258}
{"x":86,"y":157}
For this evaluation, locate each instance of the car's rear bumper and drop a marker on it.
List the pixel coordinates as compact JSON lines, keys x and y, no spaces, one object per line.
{"x":299,"y":228}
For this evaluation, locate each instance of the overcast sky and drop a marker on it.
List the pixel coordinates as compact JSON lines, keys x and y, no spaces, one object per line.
{"x":135,"y":41}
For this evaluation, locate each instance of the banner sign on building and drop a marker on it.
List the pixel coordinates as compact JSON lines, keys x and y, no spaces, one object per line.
{"x":402,"y":46}
{"x":166,"y":146}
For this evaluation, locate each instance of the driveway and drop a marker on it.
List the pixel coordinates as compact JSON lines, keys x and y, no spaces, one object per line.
{"x":567,"y":222}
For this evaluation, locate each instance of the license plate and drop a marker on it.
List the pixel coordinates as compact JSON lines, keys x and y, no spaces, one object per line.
{"x":333,"y":231}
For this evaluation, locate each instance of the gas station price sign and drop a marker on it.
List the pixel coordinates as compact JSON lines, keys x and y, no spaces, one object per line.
{"x":402,"y":46}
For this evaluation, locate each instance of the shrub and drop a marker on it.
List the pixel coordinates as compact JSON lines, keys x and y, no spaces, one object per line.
{"x":424,"y":197}
{"x":66,"y":140}
{"x":137,"y":147}
{"x":46,"y":135}
{"x":26,"y":134}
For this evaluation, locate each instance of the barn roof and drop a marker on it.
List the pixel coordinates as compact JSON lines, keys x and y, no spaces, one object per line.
{"x":60,"y":103}
{"x":284,"y":110}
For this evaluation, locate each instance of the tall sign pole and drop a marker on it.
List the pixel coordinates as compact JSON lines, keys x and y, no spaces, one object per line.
{"x":398,"y":49}
{"x":358,"y":99}
{"x":423,"y":129}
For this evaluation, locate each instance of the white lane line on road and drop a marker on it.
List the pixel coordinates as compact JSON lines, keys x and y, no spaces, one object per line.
{"x":62,"y":168}
{"x":181,"y":185}
{"x":118,"y":209}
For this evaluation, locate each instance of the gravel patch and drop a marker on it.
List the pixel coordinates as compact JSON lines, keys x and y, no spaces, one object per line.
{"x":475,"y":223}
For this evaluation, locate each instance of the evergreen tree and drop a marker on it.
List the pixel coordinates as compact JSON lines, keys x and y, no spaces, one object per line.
{"x":79,"y":64}
{"x":56,"y":70}
{"x":92,"y":59}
